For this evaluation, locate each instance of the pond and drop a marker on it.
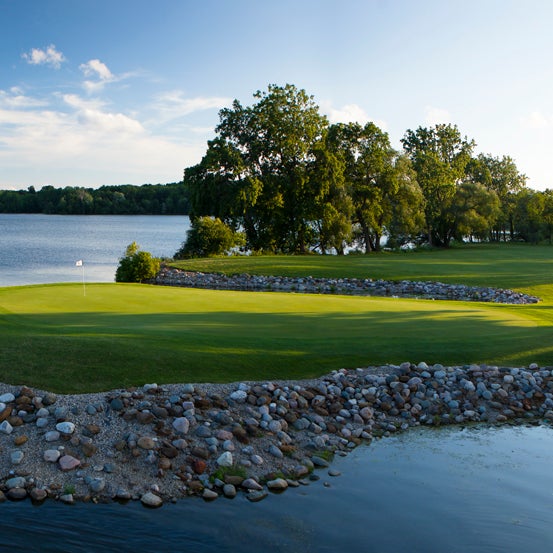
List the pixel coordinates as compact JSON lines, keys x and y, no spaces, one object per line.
{"x":477,"y":489}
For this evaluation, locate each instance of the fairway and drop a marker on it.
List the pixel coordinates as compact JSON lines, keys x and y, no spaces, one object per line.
{"x":54,"y":337}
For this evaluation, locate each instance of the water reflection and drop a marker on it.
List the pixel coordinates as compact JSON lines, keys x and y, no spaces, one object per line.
{"x":450,"y":490}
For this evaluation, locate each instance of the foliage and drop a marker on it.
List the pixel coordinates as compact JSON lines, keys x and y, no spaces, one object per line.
{"x":267,"y":172}
{"x":148,"y":199}
{"x":136,"y":265}
{"x":440,"y":156}
{"x":209,"y":236}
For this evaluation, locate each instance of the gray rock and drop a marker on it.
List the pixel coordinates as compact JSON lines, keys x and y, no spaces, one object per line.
{"x":229,"y":490}
{"x":16,"y":457}
{"x":181,"y":425}
{"x":15,"y":482}
{"x":65,"y":427}
{"x":225,"y":460}
{"x":51,"y":455}
{"x":278,"y":484}
{"x":150,"y":499}
{"x":6,"y":427}
{"x":52,"y":436}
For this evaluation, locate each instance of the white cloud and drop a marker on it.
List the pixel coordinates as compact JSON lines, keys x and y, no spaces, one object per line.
{"x":436,"y":116}
{"x":172,"y":105}
{"x":77,"y":141}
{"x":536,"y":120}
{"x":100,"y":72}
{"x":96,"y":67}
{"x":15,"y":98}
{"x":49,"y":56}
{"x":349,"y":113}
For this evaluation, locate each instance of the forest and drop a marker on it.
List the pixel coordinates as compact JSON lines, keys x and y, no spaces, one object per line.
{"x":148,"y":199}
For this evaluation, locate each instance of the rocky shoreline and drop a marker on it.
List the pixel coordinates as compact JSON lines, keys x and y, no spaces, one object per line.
{"x":169,"y":276}
{"x":162,"y":443}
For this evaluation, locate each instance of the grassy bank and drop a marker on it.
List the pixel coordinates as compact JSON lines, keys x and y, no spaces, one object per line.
{"x":117,"y":335}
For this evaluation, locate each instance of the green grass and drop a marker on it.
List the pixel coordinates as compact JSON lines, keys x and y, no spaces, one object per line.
{"x":53,"y":337}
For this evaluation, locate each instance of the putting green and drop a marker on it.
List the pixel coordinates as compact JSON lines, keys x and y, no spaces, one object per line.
{"x":55,"y":337}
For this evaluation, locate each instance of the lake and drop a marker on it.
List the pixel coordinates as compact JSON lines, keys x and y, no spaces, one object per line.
{"x":427,"y":491}
{"x":38,"y":249}
{"x":454,"y":490}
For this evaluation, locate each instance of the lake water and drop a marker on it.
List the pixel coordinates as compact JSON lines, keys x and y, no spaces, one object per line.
{"x":475,"y":490}
{"x":452,"y":490}
{"x":37,"y":249}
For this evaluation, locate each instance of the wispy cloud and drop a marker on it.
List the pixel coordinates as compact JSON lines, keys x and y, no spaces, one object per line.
{"x":172,"y":105}
{"x":14,"y":98}
{"x":49,"y":56}
{"x":436,"y":116}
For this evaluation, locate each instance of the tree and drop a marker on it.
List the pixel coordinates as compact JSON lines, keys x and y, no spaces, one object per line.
{"x":209,"y":236}
{"x":376,"y":177}
{"x":501,"y":176}
{"x":263,"y":172}
{"x":440,"y":156}
{"x":136,"y":265}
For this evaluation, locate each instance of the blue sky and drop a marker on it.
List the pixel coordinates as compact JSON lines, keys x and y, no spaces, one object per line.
{"x":97,"y":92}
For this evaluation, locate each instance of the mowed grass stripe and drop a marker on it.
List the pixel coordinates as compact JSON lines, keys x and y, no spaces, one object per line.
{"x":56,"y":338}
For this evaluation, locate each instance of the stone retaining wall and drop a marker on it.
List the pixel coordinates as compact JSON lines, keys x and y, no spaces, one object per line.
{"x":169,"y":276}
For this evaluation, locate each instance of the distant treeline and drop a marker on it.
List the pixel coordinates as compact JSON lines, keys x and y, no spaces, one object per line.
{"x":127,"y":199}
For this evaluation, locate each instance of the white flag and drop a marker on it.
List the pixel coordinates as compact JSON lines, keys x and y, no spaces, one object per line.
{"x":79,"y":263}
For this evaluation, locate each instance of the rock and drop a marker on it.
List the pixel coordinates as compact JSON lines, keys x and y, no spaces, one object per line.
{"x":15,"y":482}
{"x":51,"y":455}
{"x":38,"y":494}
{"x":16,"y":494}
{"x":278,"y":484}
{"x":20,"y":440}
{"x":255,"y":496}
{"x":7,"y":398}
{"x":199,"y":466}
{"x":229,"y":490}
{"x":68,"y":462}
{"x":251,"y":484}
{"x":225,"y":460}
{"x":97,"y":485}
{"x":150,"y":499}
{"x":65,"y":427}
{"x":146,"y":442}
{"x":67,"y":498}
{"x":275,"y":451}
{"x":117,"y":404}
{"x":319,"y":461}
{"x":16,"y":457}
{"x":209,"y":495}
{"x":181,"y":425}
{"x":239,"y":396}
{"x":6,"y":427}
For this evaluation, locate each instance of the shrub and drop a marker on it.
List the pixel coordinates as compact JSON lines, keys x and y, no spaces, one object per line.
{"x":136,"y":265}
{"x":209,"y":236}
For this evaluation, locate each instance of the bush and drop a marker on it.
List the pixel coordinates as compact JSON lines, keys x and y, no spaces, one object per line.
{"x":209,"y":236}
{"x":136,"y":266}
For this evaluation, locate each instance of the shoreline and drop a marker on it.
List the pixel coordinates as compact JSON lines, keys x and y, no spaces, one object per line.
{"x":156,"y":444}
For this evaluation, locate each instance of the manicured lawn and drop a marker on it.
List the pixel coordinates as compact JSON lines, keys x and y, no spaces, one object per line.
{"x":53,"y":337}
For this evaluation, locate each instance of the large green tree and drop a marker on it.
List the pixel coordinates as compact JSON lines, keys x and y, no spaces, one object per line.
{"x":440,"y":156}
{"x":265,"y":173}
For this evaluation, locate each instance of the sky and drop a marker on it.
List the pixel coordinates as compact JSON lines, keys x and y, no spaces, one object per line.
{"x":96,"y":92}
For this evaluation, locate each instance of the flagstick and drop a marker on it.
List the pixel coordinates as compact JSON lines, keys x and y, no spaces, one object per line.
{"x":84,"y":287}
